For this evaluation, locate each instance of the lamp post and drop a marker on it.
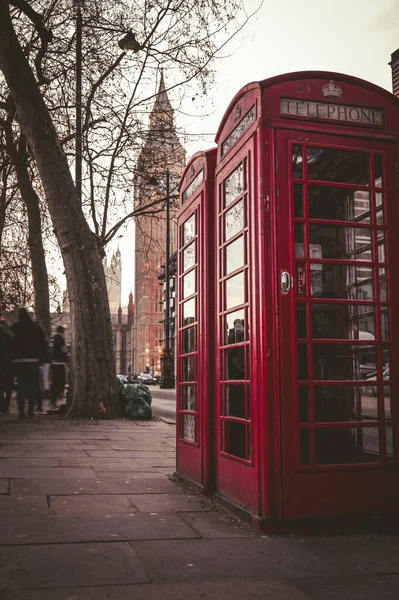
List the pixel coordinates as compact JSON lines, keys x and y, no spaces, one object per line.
{"x":168,"y":379}
{"x":128,"y":44}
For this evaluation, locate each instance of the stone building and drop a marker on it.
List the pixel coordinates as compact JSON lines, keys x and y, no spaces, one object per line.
{"x":160,"y":165}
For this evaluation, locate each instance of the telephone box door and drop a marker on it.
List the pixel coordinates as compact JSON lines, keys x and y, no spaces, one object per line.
{"x":337,"y":231}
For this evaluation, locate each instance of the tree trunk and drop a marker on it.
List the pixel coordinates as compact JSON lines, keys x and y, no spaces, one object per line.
{"x":35,"y":240}
{"x":93,"y":376}
{"x":37,"y":256}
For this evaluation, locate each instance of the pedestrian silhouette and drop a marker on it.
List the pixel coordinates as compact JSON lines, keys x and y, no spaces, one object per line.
{"x":6,"y":367}
{"x":30,"y":350}
{"x":59,"y":360}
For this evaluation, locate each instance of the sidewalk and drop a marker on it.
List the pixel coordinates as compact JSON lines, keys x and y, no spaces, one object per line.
{"x":87,"y":512}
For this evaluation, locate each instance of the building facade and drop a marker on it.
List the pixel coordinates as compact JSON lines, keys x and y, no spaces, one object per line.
{"x":159,"y":168}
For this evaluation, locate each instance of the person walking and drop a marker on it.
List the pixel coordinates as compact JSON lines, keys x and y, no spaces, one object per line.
{"x":59,"y":360}
{"x":30,"y":350}
{"x":6,"y":368}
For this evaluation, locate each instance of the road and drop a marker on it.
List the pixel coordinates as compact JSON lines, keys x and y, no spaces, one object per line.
{"x":163,"y":403}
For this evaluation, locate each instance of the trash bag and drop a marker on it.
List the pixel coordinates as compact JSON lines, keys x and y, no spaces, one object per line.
{"x":136,"y":401}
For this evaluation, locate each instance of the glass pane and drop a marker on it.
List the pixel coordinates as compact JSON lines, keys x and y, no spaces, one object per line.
{"x":298,"y":200}
{"x":234,"y":220}
{"x":233,"y":327}
{"x":233,"y":186}
{"x":235,"y":401}
{"x":303,"y":404}
{"x":189,"y":229}
{"x":235,"y":290}
{"x":387,"y":402}
{"x":379,"y":202}
{"x":234,"y":439}
{"x":189,"y":312}
{"x":383,"y":277}
{"x":189,"y":284}
{"x":302,"y":362}
{"x":188,"y":364}
{"x":378,"y":170}
{"x":189,"y":428}
{"x":304,"y":443}
{"x":389,"y":443}
{"x":349,"y":282}
{"x":188,"y":256}
{"x":234,"y":362}
{"x":188,"y":340}
{"x":385,"y":332}
{"x":234,"y":255}
{"x":343,"y":166}
{"x":345,"y":321}
{"x":339,"y":361}
{"x":299,"y":240}
{"x":188,"y":397}
{"x":381,"y":246}
{"x":344,"y":403}
{"x":338,"y":204}
{"x":332,"y":241}
{"x":345,"y":446}
{"x":297,"y":162}
{"x":301,"y":330}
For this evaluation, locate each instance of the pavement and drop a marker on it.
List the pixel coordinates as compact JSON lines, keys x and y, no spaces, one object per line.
{"x":88,"y":512}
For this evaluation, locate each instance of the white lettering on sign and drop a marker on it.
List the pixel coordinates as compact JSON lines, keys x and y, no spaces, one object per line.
{"x":335,"y":112}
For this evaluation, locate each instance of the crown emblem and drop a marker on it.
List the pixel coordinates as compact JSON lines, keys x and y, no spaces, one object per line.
{"x":237,"y":112}
{"x":331,"y":90}
{"x":191,"y":172}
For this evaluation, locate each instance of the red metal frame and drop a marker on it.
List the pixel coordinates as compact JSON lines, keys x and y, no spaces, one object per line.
{"x":195,"y":457}
{"x":347,"y":493}
{"x":270,"y":481}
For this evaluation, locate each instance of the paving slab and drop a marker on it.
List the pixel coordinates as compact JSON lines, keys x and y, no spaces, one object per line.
{"x":42,"y":452}
{"x":47,"y":566}
{"x":209,"y":590}
{"x":46,"y":472}
{"x":4,"y":486}
{"x":263,"y":558}
{"x":95,"y":528}
{"x":117,"y":454}
{"x":90,"y":505}
{"x":160,"y":461}
{"x":21,"y":461}
{"x":166,"y":503}
{"x":375,"y":553}
{"x":117,"y":474}
{"x":56,"y":487}
{"x":213,"y":525}
{"x":361,"y":587}
{"x":137,"y":446}
{"x":88,"y":461}
{"x":23,"y":505}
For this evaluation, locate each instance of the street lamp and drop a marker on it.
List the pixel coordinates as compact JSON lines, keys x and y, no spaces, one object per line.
{"x":167,"y":359}
{"x":127,"y":43}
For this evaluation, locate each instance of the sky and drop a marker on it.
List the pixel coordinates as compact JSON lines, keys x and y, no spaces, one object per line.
{"x":354,"y":37}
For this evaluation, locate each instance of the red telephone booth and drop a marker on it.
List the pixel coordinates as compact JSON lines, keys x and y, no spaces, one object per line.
{"x":196,"y":322}
{"x":306,"y":312}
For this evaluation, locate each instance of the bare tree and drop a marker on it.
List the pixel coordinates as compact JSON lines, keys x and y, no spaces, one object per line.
{"x":184,"y":35}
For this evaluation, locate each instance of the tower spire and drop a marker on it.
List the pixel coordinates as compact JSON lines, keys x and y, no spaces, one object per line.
{"x":162,"y":112}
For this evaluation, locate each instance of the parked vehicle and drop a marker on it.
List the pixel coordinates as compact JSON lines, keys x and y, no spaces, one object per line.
{"x":122,"y":378}
{"x":147,"y":379}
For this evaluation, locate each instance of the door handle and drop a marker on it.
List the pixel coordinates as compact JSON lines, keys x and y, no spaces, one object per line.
{"x":286,"y":281}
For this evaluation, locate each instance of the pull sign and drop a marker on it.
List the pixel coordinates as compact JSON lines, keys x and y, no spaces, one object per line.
{"x":286,"y":281}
